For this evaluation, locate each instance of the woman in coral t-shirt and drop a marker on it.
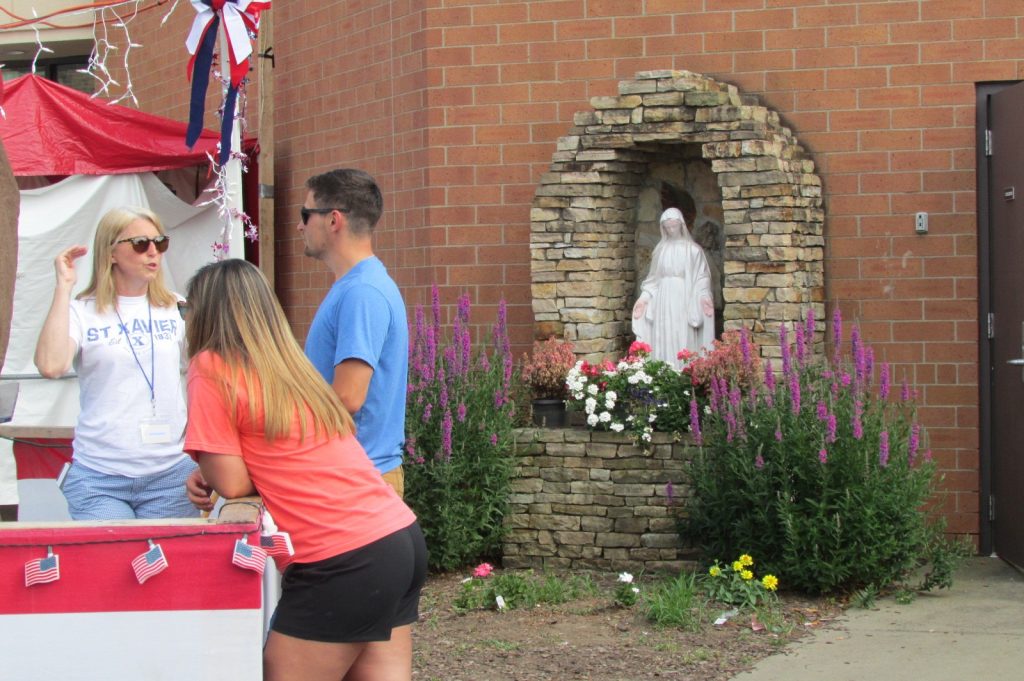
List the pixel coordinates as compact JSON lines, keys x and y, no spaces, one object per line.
{"x":263,"y":421}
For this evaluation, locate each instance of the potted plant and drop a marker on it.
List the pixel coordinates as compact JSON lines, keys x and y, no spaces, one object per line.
{"x":545,"y":371}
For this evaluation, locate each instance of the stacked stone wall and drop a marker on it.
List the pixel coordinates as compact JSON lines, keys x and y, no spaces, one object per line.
{"x":583,"y":220}
{"x":592,"y":500}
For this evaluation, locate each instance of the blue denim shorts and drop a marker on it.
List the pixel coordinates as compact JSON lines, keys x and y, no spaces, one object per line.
{"x":92,"y":495}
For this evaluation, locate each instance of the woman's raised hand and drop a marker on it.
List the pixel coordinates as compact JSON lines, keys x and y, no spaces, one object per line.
{"x":65,"y":265}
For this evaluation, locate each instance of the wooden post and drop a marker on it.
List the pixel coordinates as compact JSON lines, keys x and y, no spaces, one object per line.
{"x":265,"y":74}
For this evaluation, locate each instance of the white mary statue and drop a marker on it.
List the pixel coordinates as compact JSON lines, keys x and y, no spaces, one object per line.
{"x":675,"y":309}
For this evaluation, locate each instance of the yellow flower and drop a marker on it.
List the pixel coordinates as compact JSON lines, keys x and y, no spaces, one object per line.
{"x":737,"y":566}
{"x":715,"y":571}
{"x":747,"y":574}
{"x":746,"y":560}
{"x":771,"y":582}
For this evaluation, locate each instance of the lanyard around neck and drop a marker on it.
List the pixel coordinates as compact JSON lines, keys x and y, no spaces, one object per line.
{"x":150,"y":382}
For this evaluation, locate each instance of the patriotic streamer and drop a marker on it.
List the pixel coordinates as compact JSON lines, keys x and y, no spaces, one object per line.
{"x":43,"y":570}
{"x":150,"y":563}
{"x":249,"y":557}
{"x":241,"y":22}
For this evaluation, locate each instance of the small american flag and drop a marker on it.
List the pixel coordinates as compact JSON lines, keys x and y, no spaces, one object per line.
{"x":249,"y":557}
{"x":277,"y":544}
{"x":150,"y":563}
{"x":42,"y":570}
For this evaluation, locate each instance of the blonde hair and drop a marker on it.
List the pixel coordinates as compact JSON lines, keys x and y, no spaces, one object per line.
{"x":234,"y":314}
{"x":101,"y":286}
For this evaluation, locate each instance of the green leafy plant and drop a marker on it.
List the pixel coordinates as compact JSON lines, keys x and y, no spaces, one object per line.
{"x":487,"y":590}
{"x":736,"y":584}
{"x":819,"y":472}
{"x":459,"y":436}
{"x":674,"y":602}
{"x":547,"y":367}
{"x":626,"y":592}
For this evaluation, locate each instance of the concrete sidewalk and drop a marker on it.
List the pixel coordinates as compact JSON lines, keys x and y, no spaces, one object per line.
{"x":975,"y":630}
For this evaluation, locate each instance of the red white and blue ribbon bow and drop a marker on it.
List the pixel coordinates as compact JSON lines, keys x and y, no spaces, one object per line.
{"x":241,"y":19}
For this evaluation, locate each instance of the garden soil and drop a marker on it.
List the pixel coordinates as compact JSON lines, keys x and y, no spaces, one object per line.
{"x":590,"y":638}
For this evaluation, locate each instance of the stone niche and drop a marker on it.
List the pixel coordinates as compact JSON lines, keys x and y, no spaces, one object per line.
{"x":743,"y":181}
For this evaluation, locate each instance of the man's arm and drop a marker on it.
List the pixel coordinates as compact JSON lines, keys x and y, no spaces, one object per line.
{"x":352,"y":382}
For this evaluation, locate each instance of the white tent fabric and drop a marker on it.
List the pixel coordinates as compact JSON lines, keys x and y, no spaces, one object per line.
{"x":52,"y":219}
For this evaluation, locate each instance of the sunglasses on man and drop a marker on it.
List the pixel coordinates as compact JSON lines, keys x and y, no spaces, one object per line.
{"x":306,"y":212}
{"x":140,"y":244}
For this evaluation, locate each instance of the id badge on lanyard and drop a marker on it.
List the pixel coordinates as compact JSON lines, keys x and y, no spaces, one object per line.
{"x":155,"y":430}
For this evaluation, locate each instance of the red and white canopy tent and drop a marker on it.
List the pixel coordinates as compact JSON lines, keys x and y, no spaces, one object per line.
{"x":76,"y":157}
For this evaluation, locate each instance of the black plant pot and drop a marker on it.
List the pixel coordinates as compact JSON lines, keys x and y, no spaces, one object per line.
{"x":549,"y":413}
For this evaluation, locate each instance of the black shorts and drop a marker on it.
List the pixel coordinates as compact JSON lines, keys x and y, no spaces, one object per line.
{"x":357,"y":596}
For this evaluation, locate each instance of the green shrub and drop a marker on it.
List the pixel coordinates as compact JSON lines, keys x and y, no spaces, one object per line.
{"x":818,"y":472}
{"x":459,"y":423}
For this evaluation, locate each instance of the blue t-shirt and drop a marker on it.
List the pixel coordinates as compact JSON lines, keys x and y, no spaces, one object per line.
{"x":363,"y":317}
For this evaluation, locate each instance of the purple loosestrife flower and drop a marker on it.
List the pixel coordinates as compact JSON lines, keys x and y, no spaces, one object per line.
{"x":787,"y":365}
{"x":883,"y":449}
{"x":430,"y":361}
{"x":914,"y":443}
{"x":858,"y":425}
{"x":794,"y":391}
{"x":442,"y":399}
{"x":905,"y":391}
{"x":460,"y":413}
{"x":745,"y":346}
{"x":778,"y":433}
{"x":427,"y":411}
{"x":759,"y":462}
{"x":446,"y":435}
{"x":467,"y":356}
{"x":822,"y":410}
{"x":809,"y":326}
{"x":669,"y":493}
{"x":769,"y":376}
{"x":494,"y":439}
{"x":735,"y":397}
{"x":869,"y":362}
{"x":730,"y":422}
{"x":799,"y":345}
{"x":823,"y":455}
{"x":830,"y":435}
{"x":435,"y":308}
{"x":883,"y":381}
{"x":837,"y":334}
{"x":845,"y":379}
{"x":698,"y":438}
{"x":858,"y":355}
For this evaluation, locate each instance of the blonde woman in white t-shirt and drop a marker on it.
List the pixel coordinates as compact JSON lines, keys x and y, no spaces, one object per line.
{"x":125,"y":337}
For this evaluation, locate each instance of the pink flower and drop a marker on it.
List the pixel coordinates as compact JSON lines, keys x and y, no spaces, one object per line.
{"x":638,"y":347}
{"x":483,"y":570}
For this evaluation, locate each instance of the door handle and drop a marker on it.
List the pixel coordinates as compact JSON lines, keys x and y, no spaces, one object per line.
{"x":1016,"y":362}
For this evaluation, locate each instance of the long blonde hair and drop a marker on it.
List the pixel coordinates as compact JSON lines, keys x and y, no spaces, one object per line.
{"x":101,"y":286}
{"x":234,"y":314}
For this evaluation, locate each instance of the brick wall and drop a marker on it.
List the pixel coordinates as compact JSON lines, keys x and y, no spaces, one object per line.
{"x":457,"y":106}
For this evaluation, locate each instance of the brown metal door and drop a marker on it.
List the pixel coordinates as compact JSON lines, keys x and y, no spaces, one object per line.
{"x":1006,"y":206}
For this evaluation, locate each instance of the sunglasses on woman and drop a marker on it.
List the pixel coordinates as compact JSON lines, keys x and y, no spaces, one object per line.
{"x":140,"y":244}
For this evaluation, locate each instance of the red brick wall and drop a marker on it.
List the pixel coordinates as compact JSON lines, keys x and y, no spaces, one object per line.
{"x":456,"y":107}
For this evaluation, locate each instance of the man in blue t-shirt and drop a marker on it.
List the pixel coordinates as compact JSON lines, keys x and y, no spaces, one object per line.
{"x":359,"y":339}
